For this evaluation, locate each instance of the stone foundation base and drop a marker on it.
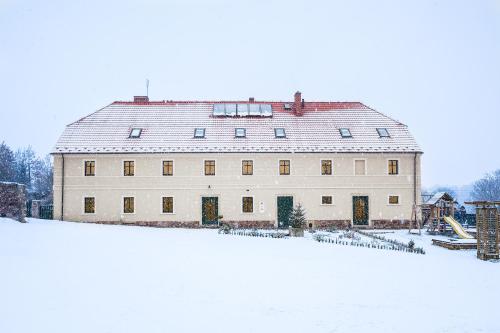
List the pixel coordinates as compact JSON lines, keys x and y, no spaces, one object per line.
{"x":390,"y":224}
{"x":326,"y":224}
{"x":156,"y":224}
{"x":251,"y":224}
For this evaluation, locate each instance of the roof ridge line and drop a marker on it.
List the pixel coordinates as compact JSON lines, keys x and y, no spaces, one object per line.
{"x":90,"y":114}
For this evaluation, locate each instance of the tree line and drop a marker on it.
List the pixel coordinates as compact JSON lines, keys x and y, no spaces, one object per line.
{"x":23,"y":166}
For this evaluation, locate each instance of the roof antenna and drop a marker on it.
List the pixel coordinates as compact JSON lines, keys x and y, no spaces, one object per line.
{"x":147,"y":87}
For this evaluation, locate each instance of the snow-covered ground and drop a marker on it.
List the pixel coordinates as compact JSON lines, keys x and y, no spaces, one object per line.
{"x":73,"y":277}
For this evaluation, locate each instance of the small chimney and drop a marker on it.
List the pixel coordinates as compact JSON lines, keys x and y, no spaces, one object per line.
{"x":141,"y":99}
{"x":298,"y":104}
{"x":251,"y":99}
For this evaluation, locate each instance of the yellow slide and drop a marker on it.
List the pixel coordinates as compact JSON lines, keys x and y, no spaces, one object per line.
{"x":457,"y":227}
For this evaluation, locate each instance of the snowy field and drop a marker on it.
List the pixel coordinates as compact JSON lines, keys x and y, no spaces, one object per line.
{"x":73,"y":277}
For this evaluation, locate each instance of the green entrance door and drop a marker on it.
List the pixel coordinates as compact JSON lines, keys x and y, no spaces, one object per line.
{"x":285,"y":207}
{"x":360,"y":214}
{"x":209,"y":210}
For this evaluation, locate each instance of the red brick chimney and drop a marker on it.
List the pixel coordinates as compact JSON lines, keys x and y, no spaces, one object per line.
{"x":298,"y":104}
{"x":141,"y":99}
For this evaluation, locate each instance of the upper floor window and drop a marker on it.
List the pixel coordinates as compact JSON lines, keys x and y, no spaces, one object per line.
{"x":89,"y":168}
{"x":209,"y":168}
{"x":279,"y":132}
{"x":247,"y":204}
{"x":168,"y":205}
{"x":284,"y":167}
{"x":89,"y":205}
{"x":359,"y":167}
{"x":393,"y":167}
{"x":240,"y":132}
{"x":199,"y":133}
{"x":247,"y":167}
{"x":168,"y":168}
{"x":128,"y":205}
{"x":326,"y":200}
{"x":326,"y":167}
{"x":394,"y":200}
{"x":345,"y":132}
{"x":383,"y":133}
{"x":128,"y":168}
{"x":135,"y":133}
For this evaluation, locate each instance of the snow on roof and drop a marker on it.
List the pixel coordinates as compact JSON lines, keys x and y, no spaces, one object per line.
{"x":168,"y":126}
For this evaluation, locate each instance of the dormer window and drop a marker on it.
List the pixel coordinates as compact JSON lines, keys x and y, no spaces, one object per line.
{"x":199,"y":133}
{"x":240,"y":132}
{"x":135,"y":133}
{"x":279,"y":132}
{"x":383,"y":133}
{"x":345,"y":133}
{"x":287,"y":106}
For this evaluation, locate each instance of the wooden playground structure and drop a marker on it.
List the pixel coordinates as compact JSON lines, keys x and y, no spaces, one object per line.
{"x":434,"y":211}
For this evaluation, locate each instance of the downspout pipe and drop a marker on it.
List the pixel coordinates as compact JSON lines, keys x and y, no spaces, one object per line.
{"x":62,"y":189}
{"x":415,"y":180}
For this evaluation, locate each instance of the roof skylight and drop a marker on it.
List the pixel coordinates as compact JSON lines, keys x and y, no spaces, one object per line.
{"x":383,"y":133}
{"x":279,"y":132}
{"x":242,"y":110}
{"x":199,"y":133}
{"x":345,"y":132}
{"x":240,"y":132}
{"x":135,"y":133}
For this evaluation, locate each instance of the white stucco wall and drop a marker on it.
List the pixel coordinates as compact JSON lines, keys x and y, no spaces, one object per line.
{"x":189,"y":184}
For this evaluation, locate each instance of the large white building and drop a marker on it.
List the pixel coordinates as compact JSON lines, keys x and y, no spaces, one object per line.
{"x":194,"y":163}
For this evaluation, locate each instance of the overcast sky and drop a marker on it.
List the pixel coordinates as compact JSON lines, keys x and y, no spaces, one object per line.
{"x":433,"y":65}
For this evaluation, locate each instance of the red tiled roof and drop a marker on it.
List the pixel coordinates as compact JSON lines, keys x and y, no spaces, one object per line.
{"x":168,"y":127}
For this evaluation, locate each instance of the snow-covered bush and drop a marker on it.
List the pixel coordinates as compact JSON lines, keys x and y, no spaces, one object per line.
{"x":298,"y":217}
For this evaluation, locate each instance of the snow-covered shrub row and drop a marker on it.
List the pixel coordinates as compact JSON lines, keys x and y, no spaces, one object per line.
{"x":256,"y":233}
{"x":322,"y":238}
{"x":409,"y":246}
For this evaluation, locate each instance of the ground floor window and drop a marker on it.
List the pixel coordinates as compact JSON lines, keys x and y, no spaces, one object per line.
{"x":89,"y":205}
{"x":326,"y":200}
{"x":247,"y":204}
{"x":128,"y":205}
{"x":168,"y":205}
{"x":393,"y":199}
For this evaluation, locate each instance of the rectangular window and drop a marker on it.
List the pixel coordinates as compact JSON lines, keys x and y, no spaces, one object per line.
{"x":168,"y":168}
{"x":89,"y":168}
{"x":199,"y":133}
{"x":168,"y":205}
{"x":383,"y":133}
{"x":284,"y":167}
{"x":393,"y":167}
{"x":326,"y":200}
{"x":279,"y":132}
{"x":326,"y":167}
{"x":210,"y":168}
{"x":128,"y":205}
{"x":393,"y":199}
{"x":359,"y":167}
{"x":240,"y":132}
{"x":247,"y":167}
{"x":345,"y":133}
{"x":89,"y":205}
{"x":135,"y":133}
{"x":247,"y":204}
{"x":128,"y":168}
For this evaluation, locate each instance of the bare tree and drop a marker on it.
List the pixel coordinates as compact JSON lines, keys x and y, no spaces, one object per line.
{"x":7,"y":164}
{"x":487,"y":188}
